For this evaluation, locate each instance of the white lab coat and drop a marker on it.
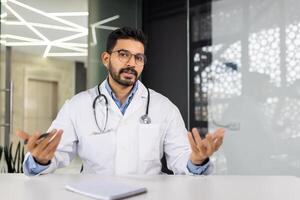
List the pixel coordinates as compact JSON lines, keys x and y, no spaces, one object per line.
{"x":130,"y":147}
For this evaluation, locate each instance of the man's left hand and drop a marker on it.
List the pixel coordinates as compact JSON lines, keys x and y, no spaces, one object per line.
{"x":203,"y":148}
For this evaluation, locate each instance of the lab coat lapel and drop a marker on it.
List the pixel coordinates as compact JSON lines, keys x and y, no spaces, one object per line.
{"x":139,"y":100}
{"x":111,"y":103}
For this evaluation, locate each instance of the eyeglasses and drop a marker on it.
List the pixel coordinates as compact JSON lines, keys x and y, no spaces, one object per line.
{"x":125,"y":55}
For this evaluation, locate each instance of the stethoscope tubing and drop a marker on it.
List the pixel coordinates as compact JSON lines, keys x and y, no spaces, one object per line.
{"x":145,"y":119}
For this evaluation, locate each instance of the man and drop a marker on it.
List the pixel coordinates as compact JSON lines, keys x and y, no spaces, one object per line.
{"x":120,"y":126}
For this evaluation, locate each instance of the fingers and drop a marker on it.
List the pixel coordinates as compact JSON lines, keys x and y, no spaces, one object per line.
{"x":22,"y":135}
{"x":196,"y":135}
{"x":42,"y":147}
{"x":192,"y":142}
{"x":203,"y":145}
{"x":219,"y":132}
{"x":32,"y":141}
{"x":217,"y":143}
{"x":45,"y":135}
{"x":207,"y":146}
{"x":46,"y":148}
{"x":51,"y":148}
{"x":218,"y":138}
{"x":208,"y":143}
{"x":42,"y":143}
{"x":53,"y":143}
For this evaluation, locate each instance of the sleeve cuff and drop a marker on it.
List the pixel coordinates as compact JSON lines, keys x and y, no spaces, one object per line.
{"x":198,"y":169}
{"x":33,"y":167}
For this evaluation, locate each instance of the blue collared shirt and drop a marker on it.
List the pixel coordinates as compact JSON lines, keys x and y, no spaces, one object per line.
{"x":35,"y":168}
{"x":121,"y":106}
{"x":195,"y":169}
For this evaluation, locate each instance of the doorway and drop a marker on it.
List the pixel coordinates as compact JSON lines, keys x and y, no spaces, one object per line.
{"x":41,"y":104}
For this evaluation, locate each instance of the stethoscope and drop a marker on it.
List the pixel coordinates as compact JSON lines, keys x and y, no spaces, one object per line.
{"x":144,"y":119}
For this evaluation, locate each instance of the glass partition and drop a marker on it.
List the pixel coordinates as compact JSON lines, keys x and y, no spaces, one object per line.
{"x":252,"y":83}
{"x":245,"y":71}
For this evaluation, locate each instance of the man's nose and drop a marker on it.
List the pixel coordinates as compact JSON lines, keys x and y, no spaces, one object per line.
{"x":131,"y":61}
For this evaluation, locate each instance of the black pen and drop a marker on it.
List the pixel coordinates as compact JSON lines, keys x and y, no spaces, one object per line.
{"x":42,"y":136}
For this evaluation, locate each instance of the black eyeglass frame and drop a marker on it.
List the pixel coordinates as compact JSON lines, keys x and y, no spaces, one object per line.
{"x":130,"y":55}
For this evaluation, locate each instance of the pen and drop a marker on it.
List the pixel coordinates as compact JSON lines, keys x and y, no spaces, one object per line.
{"x":42,"y":136}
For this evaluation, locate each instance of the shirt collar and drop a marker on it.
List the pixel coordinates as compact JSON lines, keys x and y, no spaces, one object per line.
{"x":121,"y":106}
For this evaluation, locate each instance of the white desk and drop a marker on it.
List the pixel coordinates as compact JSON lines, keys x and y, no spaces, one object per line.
{"x":20,"y":187}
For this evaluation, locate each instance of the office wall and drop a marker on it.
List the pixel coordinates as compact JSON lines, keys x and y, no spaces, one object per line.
{"x":166,"y":71}
{"x":26,"y":66}
{"x":80,"y":77}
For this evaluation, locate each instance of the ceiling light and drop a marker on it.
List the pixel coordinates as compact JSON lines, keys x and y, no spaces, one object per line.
{"x":16,"y":37}
{"x":66,"y":54}
{"x":79,"y":49}
{"x":40,"y":25}
{"x":80,"y":31}
{"x":69,"y":14}
{"x":28,"y":25}
{"x":99,"y":24}
{"x":48,"y":15}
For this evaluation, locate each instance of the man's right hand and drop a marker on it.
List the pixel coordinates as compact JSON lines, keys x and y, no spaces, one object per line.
{"x":42,"y":149}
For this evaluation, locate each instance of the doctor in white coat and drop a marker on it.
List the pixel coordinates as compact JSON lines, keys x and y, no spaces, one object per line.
{"x":121,"y":126}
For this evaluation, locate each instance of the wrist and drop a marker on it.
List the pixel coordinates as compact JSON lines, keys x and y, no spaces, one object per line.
{"x":42,"y":162}
{"x":199,"y":161}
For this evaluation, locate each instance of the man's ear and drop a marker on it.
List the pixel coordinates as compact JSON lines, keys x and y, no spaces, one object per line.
{"x":105,"y":58}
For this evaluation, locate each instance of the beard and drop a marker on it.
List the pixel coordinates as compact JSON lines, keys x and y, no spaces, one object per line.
{"x":117,"y":75}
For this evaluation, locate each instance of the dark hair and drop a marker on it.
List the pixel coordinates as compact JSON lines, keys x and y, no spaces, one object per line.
{"x":125,"y":33}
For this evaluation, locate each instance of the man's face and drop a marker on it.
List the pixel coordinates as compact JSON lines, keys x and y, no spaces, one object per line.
{"x":121,"y":72}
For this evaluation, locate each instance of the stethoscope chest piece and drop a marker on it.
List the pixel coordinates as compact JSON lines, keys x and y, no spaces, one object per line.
{"x":145,"y":119}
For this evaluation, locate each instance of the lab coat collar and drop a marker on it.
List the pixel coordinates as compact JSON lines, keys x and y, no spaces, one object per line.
{"x":138,"y":99}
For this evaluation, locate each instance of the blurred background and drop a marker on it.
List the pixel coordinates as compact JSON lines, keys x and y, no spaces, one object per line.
{"x":225,"y":63}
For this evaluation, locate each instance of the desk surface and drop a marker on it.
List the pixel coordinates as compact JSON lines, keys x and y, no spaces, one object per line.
{"x":18,"y":186}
